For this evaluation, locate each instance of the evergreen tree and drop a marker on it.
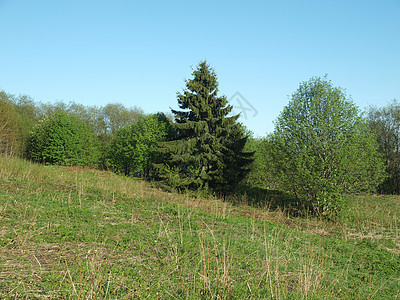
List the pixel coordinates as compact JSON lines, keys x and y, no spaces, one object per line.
{"x":207,"y":151}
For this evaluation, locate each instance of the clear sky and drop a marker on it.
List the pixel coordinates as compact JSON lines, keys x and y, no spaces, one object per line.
{"x":139,"y":53}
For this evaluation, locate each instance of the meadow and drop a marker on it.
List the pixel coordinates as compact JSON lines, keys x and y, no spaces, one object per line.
{"x":81,"y":233}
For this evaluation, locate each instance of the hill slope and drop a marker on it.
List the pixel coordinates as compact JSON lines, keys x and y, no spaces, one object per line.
{"x":82,"y":233}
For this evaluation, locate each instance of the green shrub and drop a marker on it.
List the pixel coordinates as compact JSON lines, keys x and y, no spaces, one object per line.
{"x":134,"y":148}
{"x":64,"y":140}
{"x":322,"y":148}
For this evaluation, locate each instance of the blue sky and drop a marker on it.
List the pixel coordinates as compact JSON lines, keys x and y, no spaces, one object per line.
{"x":139,"y":53}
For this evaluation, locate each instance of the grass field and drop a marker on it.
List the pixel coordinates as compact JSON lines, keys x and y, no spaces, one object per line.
{"x":87,"y":234}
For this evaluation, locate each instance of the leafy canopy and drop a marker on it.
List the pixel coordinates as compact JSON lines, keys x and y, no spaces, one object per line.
{"x":385,"y":122}
{"x":323,"y":148}
{"x":64,"y":140}
{"x":134,"y":148}
{"x":9,"y":127}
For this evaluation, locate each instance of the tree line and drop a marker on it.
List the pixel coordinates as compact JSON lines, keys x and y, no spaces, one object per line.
{"x":322,"y":149}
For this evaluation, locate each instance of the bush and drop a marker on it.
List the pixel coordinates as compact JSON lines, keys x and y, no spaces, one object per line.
{"x":322,"y":148}
{"x":134,"y":148}
{"x":64,"y":140}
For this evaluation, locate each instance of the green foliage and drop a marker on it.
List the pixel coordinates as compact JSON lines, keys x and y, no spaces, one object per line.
{"x":112,"y":118}
{"x":236,"y":160}
{"x":28,"y":114}
{"x":64,"y":140}
{"x":28,"y":117}
{"x":9,"y":128}
{"x":322,"y":148}
{"x":105,"y":121}
{"x":385,"y":122}
{"x":260,"y":174}
{"x":134,"y":148}
{"x":207,"y":151}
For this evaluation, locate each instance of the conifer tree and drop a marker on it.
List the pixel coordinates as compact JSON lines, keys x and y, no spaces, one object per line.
{"x":207,"y":150}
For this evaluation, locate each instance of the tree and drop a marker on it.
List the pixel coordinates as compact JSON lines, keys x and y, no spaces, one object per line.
{"x":105,"y":121}
{"x":25,"y":113}
{"x":236,"y":160}
{"x":207,"y":150}
{"x":385,"y":122}
{"x":64,"y":140}
{"x":134,"y":148}
{"x":323,"y":148}
{"x":116,"y":116}
{"x":9,"y":133}
{"x":260,"y":174}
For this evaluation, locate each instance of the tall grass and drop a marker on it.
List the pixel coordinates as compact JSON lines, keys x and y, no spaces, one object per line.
{"x":87,"y":234}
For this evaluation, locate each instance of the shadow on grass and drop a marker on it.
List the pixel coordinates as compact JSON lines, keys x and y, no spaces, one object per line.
{"x":268,"y":198}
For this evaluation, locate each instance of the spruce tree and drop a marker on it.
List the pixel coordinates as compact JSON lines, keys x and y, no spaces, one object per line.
{"x":207,"y":150}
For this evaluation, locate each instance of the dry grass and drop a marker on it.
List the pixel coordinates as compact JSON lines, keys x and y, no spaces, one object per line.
{"x":88,"y":234}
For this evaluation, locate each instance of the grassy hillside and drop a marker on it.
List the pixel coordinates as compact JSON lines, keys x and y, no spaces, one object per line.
{"x":83,"y":233}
